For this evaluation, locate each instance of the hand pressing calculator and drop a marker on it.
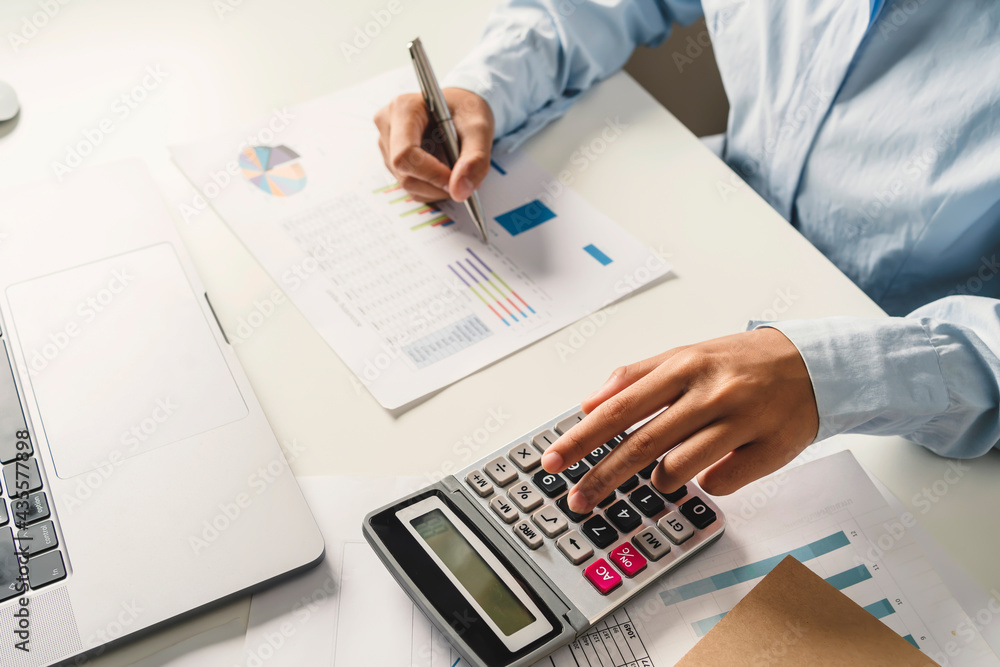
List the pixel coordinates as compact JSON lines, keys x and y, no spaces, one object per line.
{"x":496,"y":559}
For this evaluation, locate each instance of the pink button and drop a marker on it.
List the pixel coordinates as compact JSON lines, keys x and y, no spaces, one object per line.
{"x":602,"y":576}
{"x":628,"y":559}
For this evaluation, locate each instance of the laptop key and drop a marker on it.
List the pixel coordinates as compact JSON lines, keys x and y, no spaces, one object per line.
{"x":10,"y":584}
{"x":29,"y":510}
{"x":38,"y":538}
{"x":21,"y":477}
{"x":46,"y":569}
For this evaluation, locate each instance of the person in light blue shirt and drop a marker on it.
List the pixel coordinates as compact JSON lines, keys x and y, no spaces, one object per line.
{"x":873,"y":127}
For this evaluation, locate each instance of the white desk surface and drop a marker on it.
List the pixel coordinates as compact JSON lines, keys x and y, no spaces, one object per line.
{"x":232,"y":61}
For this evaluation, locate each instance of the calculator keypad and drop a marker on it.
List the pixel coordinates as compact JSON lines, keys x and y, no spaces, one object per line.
{"x":632,"y":527}
{"x":525,"y":497}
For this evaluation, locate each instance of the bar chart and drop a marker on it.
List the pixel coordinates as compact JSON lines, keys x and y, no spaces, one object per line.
{"x":422,"y":216}
{"x":491,"y":289}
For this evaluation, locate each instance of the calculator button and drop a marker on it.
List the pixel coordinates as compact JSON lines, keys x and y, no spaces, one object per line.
{"x":504,"y":509}
{"x":566,"y":424}
{"x":599,"y":531}
{"x":698,"y":513}
{"x":574,"y":547}
{"x":627,"y":559}
{"x":525,"y":457}
{"x":647,"y":501}
{"x":3,"y":513}
{"x":675,"y":527}
{"x":479,"y":483}
{"x":677,"y":495}
{"x":647,"y":472}
{"x":576,"y":471}
{"x":573,"y":516}
{"x":607,"y":501}
{"x":652,"y":544}
{"x":595,"y":456}
{"x":602,"y":576}
{"x":624,"y":516}
{"x":551,"y":485}
{"x":543,"y":440}
{"x":525,"y":497}
{"x":501,"y":471}
{"x":629,"y":484}
{"x":528,"y":534}
{"x":550,"y":521}
{"x":615,"y":441}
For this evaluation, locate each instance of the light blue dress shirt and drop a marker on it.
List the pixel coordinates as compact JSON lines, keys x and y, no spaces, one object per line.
{"x":874,"y":128}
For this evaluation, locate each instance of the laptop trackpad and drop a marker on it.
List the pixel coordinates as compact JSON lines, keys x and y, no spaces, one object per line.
{"x":121,"y":359}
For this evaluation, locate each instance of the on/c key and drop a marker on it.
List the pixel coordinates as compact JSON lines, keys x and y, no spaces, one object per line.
{"x":602,"y":576}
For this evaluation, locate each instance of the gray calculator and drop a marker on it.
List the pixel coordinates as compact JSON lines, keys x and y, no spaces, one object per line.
{"x":497,"y":560}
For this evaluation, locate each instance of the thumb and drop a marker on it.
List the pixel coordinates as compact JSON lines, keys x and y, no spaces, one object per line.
{"x":473,"y":163}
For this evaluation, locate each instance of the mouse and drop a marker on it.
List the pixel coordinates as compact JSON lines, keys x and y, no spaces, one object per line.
{"x":8,"y":102}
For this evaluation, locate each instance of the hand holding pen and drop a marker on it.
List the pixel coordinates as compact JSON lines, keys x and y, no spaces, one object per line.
{"x":402,"y":125}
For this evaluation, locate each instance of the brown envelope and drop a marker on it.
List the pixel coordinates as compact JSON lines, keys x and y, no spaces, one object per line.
{"x":793,"y":617}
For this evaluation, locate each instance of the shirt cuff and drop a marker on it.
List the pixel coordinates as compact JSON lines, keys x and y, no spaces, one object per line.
{"x":877,"y":376}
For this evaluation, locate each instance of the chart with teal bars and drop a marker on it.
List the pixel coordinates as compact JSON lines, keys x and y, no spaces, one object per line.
{"x":275,"y":170}
{"x":828,"y":515}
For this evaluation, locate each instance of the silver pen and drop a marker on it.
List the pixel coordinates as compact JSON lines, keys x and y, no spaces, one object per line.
{"x":442,"y":116}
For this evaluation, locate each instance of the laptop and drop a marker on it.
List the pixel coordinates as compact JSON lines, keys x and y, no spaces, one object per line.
{"x":140,"y":479}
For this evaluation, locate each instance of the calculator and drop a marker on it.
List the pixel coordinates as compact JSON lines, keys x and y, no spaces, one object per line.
{"x":497,"y":560}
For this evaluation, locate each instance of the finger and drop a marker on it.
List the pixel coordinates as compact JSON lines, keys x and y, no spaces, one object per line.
{"x":476,"y":135}
{"x":682,"y":421}
{"x":625,"y":376}
{"x":421,"y":190}
{"x":657,"y":388}
{"x":406,"y":156}
{"x":680,"y":465}
{"x":743,"y":465}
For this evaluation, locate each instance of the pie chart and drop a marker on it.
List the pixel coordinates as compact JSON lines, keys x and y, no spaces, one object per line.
{"x":273,"y":169}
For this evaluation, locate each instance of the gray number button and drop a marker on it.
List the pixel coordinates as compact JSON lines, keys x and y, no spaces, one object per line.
{"x":504,"y":509}
{"x":479,"y":483}
{"x":501,"y":471}
{"x":551,"y":521}
{"x":528,"y":535}
{"x":651,"y":544}
{"x":676,"y":527}
{"x":525,"y":497}
{"x":524,"y":457}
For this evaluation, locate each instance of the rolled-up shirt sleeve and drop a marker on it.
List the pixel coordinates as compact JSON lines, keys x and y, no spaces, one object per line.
{"x":932,"y":377}
{"x":536,"y":56}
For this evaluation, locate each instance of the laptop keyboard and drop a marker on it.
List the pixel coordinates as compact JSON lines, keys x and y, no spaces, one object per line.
{"x":29,"y":541}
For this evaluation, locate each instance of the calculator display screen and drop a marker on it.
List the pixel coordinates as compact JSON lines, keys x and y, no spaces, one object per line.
{"x":478,"y":578}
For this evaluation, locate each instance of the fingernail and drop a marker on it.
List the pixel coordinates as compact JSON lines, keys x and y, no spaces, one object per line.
{"x":578,"y":502}
{"x":464,"y":188}
{"x":552,"y":462}
{"x":446,"y":189}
